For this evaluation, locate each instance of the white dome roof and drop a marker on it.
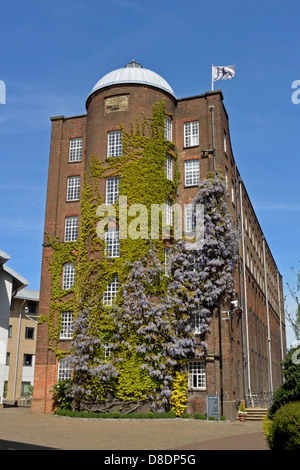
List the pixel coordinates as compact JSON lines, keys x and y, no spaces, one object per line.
{"x":133,"y":73}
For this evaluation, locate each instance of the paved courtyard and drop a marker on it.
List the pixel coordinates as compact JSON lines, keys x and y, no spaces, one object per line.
{"x":20,"y":429}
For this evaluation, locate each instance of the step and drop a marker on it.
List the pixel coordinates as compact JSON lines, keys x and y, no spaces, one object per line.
{"x":256,"y":413}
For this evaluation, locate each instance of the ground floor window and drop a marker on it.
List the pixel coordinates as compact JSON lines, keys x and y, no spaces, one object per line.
{"x":196,"y":375}
{"x":64,"y":369}
{"x":26,"y":390}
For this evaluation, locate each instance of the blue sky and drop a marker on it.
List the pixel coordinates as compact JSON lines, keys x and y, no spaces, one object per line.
{"x":52,"y":53}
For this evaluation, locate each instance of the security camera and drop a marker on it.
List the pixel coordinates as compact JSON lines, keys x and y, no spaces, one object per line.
{"x":235,"y":303}
{"x":26,"y":309}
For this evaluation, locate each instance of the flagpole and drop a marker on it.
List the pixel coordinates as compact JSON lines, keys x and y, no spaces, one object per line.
{"x":212,"y":77}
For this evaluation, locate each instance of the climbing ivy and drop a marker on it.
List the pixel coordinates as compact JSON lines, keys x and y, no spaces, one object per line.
{"x":147,"y":331}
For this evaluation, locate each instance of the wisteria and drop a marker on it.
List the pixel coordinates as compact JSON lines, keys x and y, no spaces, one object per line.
{"x":150,"y":331}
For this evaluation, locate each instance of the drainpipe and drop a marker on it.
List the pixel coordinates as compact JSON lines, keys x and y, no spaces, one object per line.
{"x":245,"y":297}
{"x":212,"y":108}
{"x":221,"y":358}
{"x":238,"y":217}
{"x":280,"y":319}
{"x":268,"y":319}
{"x":280,"y":311}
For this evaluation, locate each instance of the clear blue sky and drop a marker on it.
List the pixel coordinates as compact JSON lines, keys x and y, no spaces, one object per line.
{"x":52,"y":53}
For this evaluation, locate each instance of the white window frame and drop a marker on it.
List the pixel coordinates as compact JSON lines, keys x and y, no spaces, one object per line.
{"x":64,"y":369}
{"x":71,"y":229}
{"x":110,"y":293}
{"x":196,"y":324}
{"x":190,"y":217}
{"x":66,"y":330}
{"x":168,"y":129}
{"x":112,"y":189}
{"x":112,"y":242}
{"x":107,"y":351}
{"x":192,"y":172}
{"x":73,"y":189}
{"x":169,"y":167}
{"x":168,"y":213}
{"x":114,"y":144}
{"x":197,"y":375}
{"x":68,"y":276}
{"x":191,"y":134}
{"x":75,"y":150}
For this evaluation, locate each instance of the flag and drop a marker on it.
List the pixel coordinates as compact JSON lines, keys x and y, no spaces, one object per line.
{"x":222,"y":73}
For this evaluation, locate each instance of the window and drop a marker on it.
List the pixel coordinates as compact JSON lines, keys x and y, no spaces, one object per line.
{"x":64,"y":369}
{"x":68,"y":275}
{"x":169,"y":167}
{"x":73,"y":191}
{"x":168,"y":128}
{"x":110,"y":294}
{"x":190,"y":217}
{"x":196,"y":375}
{"x":71,"y":229}
{"x":9,"y":331}
{"x":114,"y":147}
{"x":246,"y":222}
{"x":112,"y":189}
{"x":107,"y":351}
{"x":75,"y":151}
{"x":192,"y":172}
{"x":27,"y":361}
{"x":31,"y":307}
{"x":5,"y":387}
{"x":29,"y":333}
{"x":168,"y":213}
{"x":191,"y":133}
{"x":112,"y":242}
{"x":26,"y":389}
{"x":196,"y":324}
{"x":7,"y":358}
{"x":66,"y":330}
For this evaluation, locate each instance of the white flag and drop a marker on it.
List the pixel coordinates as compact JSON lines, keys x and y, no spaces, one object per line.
{"x":222,"y":72}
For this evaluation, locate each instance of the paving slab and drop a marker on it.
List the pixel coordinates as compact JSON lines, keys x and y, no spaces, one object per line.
{"x":21,"y":429}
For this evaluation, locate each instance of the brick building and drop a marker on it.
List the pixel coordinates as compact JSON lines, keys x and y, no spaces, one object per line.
{"x":247,"y":339}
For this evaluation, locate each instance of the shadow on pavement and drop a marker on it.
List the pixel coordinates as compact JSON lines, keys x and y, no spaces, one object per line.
{"x":12,"y":445}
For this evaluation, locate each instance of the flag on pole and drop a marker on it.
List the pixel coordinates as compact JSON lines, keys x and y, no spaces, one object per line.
{"x":222,"y":73}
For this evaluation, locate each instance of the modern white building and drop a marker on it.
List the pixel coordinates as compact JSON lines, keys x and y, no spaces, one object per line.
{"x":10,"y":284}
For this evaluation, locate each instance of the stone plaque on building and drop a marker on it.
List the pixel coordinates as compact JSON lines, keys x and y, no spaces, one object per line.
{"x":116,"y":103}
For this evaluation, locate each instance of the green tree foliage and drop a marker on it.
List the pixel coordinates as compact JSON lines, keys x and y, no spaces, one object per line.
{"x":290,"y":390}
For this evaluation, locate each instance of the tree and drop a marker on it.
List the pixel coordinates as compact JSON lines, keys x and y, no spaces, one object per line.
{"x":208,"y":270}
{"x":294,"y":318}
{"x":290,"y":389}
{"x":150,"y":330}
{"x":152,"y":327}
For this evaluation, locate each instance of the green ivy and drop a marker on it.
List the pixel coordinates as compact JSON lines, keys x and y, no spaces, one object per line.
{"x":143,"y":181}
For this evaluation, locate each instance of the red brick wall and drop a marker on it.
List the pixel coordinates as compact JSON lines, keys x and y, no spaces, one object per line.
{"x":93,"y":128}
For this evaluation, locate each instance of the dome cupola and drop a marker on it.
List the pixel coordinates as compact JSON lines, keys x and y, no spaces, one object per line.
{"x":133,"y":72}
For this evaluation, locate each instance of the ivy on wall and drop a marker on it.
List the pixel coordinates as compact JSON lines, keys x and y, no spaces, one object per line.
{"x":136,"y":351}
